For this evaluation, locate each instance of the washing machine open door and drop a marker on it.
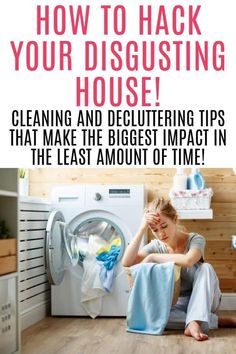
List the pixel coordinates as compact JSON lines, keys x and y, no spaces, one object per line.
{"x":59,"y":248}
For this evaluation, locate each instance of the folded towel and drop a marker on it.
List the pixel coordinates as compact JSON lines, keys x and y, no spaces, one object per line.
{"x":150,"y":298}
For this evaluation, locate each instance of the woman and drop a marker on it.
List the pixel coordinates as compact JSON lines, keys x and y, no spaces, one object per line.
{"x":199,"y":295}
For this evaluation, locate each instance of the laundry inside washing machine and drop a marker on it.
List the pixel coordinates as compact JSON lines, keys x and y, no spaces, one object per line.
{"x":68,"y":246}
{"x":95,"y":237}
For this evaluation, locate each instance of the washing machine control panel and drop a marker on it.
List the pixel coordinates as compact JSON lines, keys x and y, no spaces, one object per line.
{"x":114,"y":195}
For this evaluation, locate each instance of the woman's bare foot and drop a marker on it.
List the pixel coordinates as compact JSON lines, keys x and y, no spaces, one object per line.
{"x":194,"y":330}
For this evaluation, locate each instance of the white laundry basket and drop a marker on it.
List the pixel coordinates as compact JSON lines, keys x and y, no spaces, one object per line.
{"x":191,"y":199}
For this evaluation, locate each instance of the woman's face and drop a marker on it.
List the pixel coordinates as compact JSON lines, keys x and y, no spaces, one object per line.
{"x":165,"y":229}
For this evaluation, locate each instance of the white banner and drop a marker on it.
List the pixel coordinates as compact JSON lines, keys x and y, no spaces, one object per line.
{"x":117,"y":83}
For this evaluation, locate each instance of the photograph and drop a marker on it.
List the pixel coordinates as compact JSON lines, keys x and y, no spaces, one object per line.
{"x":114,"y":260}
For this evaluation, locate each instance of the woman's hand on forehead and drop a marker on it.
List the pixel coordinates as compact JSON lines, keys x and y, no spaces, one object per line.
{"x":153,"y":218}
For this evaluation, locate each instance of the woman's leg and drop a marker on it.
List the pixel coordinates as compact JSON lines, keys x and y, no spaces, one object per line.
{"x":177,"y":316}
{"x":203,"y":302}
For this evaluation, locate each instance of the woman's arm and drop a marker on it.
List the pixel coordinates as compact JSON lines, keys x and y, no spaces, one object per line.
{"x":184,"y":260}
{"x":132,"y":254}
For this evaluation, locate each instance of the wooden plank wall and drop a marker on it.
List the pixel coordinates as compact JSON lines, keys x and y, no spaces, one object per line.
{"x":159,"y":181}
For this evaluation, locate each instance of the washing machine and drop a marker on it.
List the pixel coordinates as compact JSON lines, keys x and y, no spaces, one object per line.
{"x":79,"y":211}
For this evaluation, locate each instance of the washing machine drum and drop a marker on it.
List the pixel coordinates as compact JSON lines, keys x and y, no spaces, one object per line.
{"x":67,"y":245}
